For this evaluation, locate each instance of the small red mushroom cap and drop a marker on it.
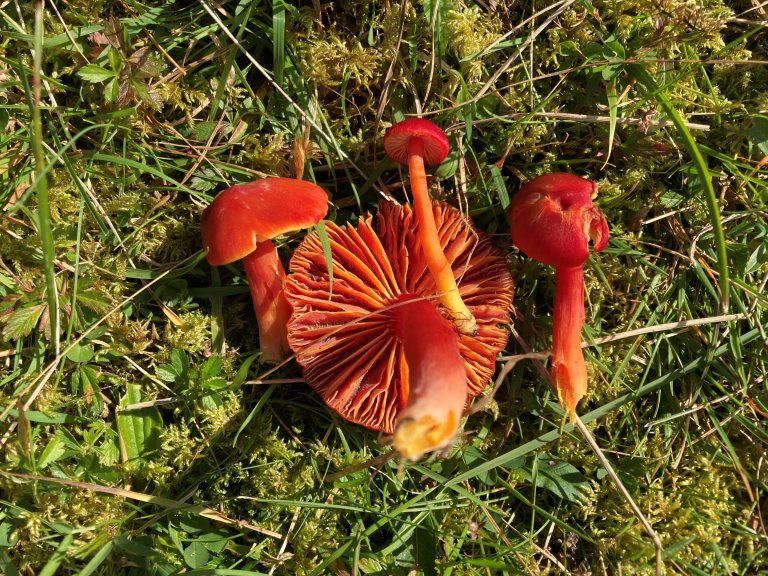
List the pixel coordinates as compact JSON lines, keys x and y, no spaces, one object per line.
{"x":244,"y":215}
{"x":552,"y":219}
{"x":435,"y":141}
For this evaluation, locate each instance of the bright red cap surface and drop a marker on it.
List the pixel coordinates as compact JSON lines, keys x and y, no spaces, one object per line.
{"x":346,"y":341}
{"x":244,"y":215}
{"x":434,"y":139}
{"x":552,"y":219}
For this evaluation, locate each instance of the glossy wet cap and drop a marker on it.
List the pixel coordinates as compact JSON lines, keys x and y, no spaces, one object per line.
{"x":244,"y":215}
{"x":435,"y":141}
{"x":552,"y":219}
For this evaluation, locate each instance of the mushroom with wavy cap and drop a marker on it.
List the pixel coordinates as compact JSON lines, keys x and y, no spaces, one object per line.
{"x":240,"y":224}
{"x":552,"y":219}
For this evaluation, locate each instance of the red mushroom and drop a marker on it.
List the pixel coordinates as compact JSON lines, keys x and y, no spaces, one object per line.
{"x":373,"y":348}
{"x":552,"y":220}
{"x":240,"y":223}
{"x":414,"y":142}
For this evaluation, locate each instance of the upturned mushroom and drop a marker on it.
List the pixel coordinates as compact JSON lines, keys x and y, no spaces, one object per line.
{"x":240,"y":224}
{"x":416,"y":142}
{"x":552,"y":220}
{"x":373,"y":347}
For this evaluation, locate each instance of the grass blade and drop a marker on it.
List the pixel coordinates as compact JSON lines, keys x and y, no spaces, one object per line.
{"x":653,"y":90}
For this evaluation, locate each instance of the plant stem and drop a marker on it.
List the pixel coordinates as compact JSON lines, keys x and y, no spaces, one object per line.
{"x":568,"y":368}
{"x":437,"y":263}
{"x":41,"y":181}
{"x":266,"y":278}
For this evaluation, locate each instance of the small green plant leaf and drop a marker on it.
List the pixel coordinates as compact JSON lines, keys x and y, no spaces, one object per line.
{"x":758,"y":133}
{"x":22,"y":321}
{"x":139,"y":429}
{"x":54,"y":450}
{"x":322,"y":233}
{"x":500,"y":186}
{"x":196,"y":555}
{"x":81,"y":354}
{"x":177,"y":371}
{"x":95,"y":73}
{"x":554,"y":475}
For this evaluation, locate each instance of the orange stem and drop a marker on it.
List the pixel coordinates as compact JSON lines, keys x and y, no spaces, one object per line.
{"x":437,"y":263}
{"x":568,"y":368}
{"x":266,"y":278}
{"x":437,"y":380}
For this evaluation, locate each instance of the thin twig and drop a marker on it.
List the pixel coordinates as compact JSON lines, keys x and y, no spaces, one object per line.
{"x":681,"y":325}
{"x":623,"y":491}
{"x":568,"y":117}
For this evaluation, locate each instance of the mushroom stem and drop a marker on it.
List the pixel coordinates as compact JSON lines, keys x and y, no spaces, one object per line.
{"x":568,"y":368}
{"x":437,"y":263}
{"x":266,"y":278}
{"x":437,"y":380}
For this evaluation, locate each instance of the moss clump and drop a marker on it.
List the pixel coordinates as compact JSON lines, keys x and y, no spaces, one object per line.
{"x":469,"y":32}
{"x":84,"y":513}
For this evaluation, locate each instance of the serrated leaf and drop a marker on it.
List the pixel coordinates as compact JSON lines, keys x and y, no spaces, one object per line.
{"x":166,"y":373}
{"x":94,"y":300}
{"x":553,"y":475}
{"x":95,"y":73}
{"x":211,"y":368}
{"x":180,"y":361}
{"x":68,"y":440}
{"x":139,"y":429}
{"x":147,"y":96}
{"x":22,"y":321}
{"x":111,"y":90}
{"x":177,"y":370}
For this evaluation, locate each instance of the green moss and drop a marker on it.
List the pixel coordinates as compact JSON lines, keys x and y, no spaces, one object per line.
{"x":470,"y":32}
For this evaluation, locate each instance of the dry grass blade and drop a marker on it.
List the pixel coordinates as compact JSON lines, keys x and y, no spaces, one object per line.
{"x":303,"y":113}
{"x":624,"y":493}
{"x":563,"y":6}
{"x":166,"y":503}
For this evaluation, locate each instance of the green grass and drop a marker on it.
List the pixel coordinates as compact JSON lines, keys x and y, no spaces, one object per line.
{"x":140,"y":434}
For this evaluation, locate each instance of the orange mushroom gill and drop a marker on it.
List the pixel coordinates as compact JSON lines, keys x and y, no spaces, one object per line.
{"x":346,"y":339}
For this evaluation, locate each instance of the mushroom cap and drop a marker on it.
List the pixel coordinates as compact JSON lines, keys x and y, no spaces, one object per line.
{"x":552,"y":219}
{"x":246,"y":214}
{"x":397,"y":137}
{"x":345,"y":339}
